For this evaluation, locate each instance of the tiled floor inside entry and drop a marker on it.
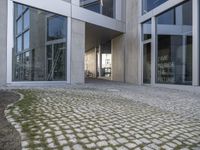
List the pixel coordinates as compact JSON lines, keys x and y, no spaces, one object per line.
{"x":106,"y":117}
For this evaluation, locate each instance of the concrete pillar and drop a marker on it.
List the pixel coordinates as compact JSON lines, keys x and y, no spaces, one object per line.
{"x":153,"y":51}
{"x":96,"y":57}
{"x":91,"y":62}
{"x":100,"y":61}
{"x":118,"y":59}
{"x":196,"y":59}
{"x":132,"y":44}
{"x":3,"y":42}
{"x":77,"y":51}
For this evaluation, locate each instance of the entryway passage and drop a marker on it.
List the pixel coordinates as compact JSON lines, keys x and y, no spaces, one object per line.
{"x":98,"y":62}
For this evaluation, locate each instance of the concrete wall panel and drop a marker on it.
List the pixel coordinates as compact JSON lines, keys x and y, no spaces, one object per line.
{"x":3,"y":41}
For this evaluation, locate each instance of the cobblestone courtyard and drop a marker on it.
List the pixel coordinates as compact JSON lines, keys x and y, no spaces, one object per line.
{"x":105,"y":118}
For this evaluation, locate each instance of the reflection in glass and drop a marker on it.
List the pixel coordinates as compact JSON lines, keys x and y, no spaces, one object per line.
{"x":56,"y":27}
{"x":26,"y":19}
{"x":59,"y":61}
{"x":146,"y":29}
{"x":40,"y":50}
{"x":105,"y":7}
{"x":27,"y":66}
{"x":174,"y":56}
{"x":19,"y":10}
{"x":26,"y":40}
{"x":56,"y":62}
{"x":167,"y":18}
{"x":19,"y":44}
{"x":147,"y":63}
{"x":148,"y":5}
{"x":108,"y":8}
{"x":19,"y":25}
{"x":95,"y":6}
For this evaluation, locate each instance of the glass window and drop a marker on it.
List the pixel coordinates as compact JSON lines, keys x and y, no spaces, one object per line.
{"x":148,"y":5}
{"x":174,"y":35}
{"x":49,"y":62}
{"x":19,"y":44}
{"x":167,"y":18}
{"x":19,"y":10}
{"x":42,"y":55}
{"x":19,"y":25}
{"x":108,"y":8}
{"x":27,"y":66}
{"x":95,"y":6}
{"x":186,"y":10}
{"x":24,"y":8}
{"x":26,"y":40}
{"x":105,"y":7}
{"x":146,"y":29}
{"x":56,"y":28}
{"x":26,"y":19}
{"x":147,"y":63}
{"x":59,"y":61}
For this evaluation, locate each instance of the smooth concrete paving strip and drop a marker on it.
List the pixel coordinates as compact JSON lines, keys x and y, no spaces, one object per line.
{"x":9,"y":137}
{"x":77,"y":118}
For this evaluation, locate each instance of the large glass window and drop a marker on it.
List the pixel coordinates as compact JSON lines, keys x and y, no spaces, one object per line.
{"x":40,"y":45}
{"x":146,"y":30}
{"x":148,"y":5}
{"x":26,"y":40}
{"x":19,"y":25}
{"x":19,"y":44}
{"x":95,"y":6}
{"x":26,"y":19}
{"x":174,"y":39}
{"x":19,"y":9}
{"x":105,"y":7}
{"x":108,"y":8}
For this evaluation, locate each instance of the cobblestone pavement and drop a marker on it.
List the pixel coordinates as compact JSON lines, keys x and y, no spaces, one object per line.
{"x":184,"y":102}
{"x":84,"y":118}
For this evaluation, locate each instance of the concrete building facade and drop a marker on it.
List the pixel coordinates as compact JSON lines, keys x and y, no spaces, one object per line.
{"x":133,"y":41}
